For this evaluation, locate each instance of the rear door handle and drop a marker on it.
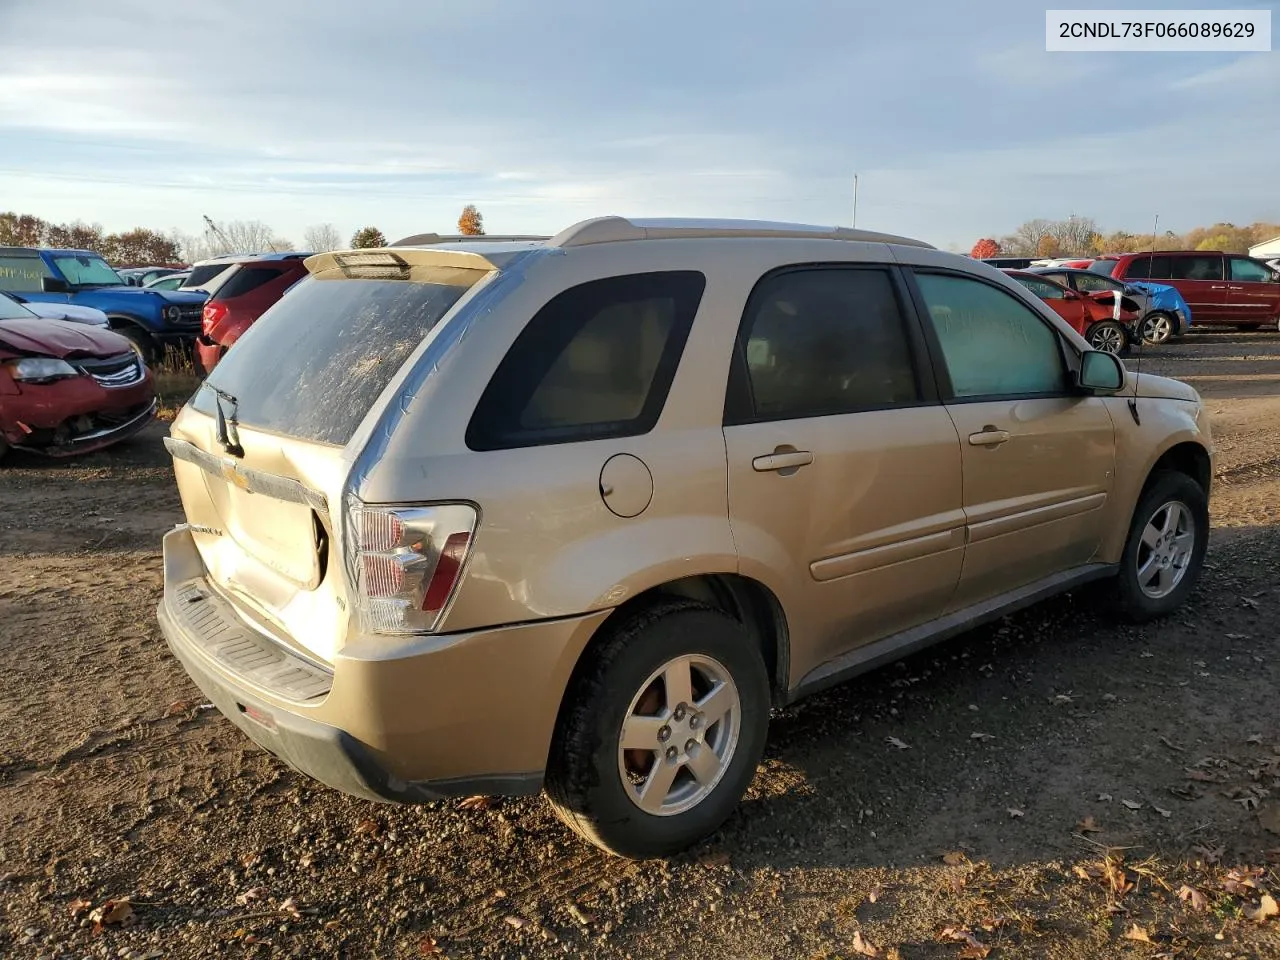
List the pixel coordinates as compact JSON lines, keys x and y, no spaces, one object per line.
{"x":1218,"y":286}
{"x":989,"y":436}
{"x":1235,"y":288}
{"x":782,"y":461}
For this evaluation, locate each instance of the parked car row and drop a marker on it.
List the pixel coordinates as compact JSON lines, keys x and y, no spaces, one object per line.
{"x":1168,"y":287}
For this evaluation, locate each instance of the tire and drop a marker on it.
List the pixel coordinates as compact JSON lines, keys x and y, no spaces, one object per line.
{"x":1109,"y":336}
{"x":621,"y":677}
{"x":142,"y":340}
{"x":1157,"y":327}
{"x":1140,"y":603}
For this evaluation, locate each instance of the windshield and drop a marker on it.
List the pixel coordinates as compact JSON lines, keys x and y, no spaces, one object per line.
{"x":315,"y":362}
{"x":87,"y":270}
{"x":11,"y":309}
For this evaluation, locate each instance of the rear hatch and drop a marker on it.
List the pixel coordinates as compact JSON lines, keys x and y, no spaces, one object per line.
{"x":262,"y":451}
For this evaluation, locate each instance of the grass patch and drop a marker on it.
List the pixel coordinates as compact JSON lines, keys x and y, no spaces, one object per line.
{"x":176,"y":378}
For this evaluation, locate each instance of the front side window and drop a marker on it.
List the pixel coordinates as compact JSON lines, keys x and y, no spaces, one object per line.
{"x":821,"y":341}
{"x":1247,"y":271}
{"x":1196,"y":268}
{"x":596,"y":361}
{"x":22,"y":274}
{"x":83,"y":270}
{"x":992,"y":344}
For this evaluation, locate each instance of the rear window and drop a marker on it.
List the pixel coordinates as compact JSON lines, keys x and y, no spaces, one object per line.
{"x":202,"y":275}
{"x":22,"y":274}
{"x":244,"y":278}
{"x":316,"y":361}
{"x":595,"y":362}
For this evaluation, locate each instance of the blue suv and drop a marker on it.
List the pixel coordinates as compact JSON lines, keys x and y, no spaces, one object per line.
{"x":153,"y":319}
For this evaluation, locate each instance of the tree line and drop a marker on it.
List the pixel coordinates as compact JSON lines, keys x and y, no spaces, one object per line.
{"x":1080,"y":236}
{"x":144,"y":247}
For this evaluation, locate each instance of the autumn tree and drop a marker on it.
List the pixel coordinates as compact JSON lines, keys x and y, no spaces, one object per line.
{"x":984,"y":248}
{"x":140,"y":247}
{"x":1048,"y":246}
{"x":368,"y":237}
{"x":76,"y":236}
{"x":21,"y":230}
{"x":471,"y":223}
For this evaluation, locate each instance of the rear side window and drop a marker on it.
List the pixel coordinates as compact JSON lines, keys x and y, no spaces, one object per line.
{"x":597,"y":361}
{"x":202,"y":275}
{"x":816,"y":342}
{"x":1195,"y":268}
{"x":316,"y":361}
{"x":22,"y":274}
{"x":1096,"y":284}
{"x":246,"y":278}
{"x":1149,"y":268}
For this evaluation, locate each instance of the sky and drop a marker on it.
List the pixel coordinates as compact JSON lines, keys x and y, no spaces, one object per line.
{"x":397,"y":113}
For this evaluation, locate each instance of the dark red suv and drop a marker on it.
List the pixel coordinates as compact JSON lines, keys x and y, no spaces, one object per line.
{"x":242,"y":295}
{"x":1220,"y":288}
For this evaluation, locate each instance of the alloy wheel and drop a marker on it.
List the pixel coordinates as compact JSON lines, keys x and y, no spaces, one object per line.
{"x":1157,"y":329}
{"x":679,"y":735}
{"x":1165,"y":549}
{"x":1107,"y":338}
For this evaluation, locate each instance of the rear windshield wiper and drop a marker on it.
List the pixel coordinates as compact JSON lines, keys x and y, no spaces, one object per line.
{"x":228,"y":435}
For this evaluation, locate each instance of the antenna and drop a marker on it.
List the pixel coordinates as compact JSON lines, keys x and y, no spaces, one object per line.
{"x":855,"y":201}
{"x":1137,"y":366}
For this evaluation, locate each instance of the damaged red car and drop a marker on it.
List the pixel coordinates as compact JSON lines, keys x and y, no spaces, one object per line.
{"x":68,"y":388}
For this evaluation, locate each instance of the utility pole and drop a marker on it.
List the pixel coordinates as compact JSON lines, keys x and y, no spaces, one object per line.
{"x":855,"y":200}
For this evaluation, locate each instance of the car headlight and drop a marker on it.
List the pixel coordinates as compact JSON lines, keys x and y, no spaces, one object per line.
{"x":40,"y":369}
{"x":172,"y":313}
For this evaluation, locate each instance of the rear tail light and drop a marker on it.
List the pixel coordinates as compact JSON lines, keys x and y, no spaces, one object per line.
{"x":407,"y":563}
{"x":212,"y":316}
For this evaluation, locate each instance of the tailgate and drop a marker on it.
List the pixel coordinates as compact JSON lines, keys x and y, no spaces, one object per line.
{"x":263,"y":526}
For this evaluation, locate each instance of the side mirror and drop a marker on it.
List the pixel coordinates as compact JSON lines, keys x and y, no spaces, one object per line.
{"x":1100,"y":371}
{"x":54,"y":285}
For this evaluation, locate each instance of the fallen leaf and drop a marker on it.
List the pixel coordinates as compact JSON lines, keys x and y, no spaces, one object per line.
{"x":1210,"y":856}
{"x":476,"y":803}
{"x":111,"y":912}
{"x":78,"y":906}
{"x":250,"y":860}
{"x":367,"y":826}
{"x":1132,"y":804}
{"x":973,"y":948}
{"x":1162,"y":811}
{"x":1136,"y":932}
{"x":861,"y":947}
{"x":1087,"y":872}
{"x":428,"y":947}
{"x":895,"y":742}
{"x":516,"y":922}
{"x":1267,"y":907}
{"x":982,"y":736}
{"x":1172,"y":746}
{"x":954,"y":858}
{"x":1200,"y":776}
{"x":1241,"y":880}
{"x":250,"y":895}
{"x":290,"y":908}
{"x":579,"y":917}
{"x":874,"y":894}
{"x":1013,"y":812}
{"x":1088,"y":826}
{"x":1192,"y":897}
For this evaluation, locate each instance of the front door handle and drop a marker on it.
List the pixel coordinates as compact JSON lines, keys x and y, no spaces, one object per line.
{"x":1218,"y":286}
{"x":782,"y":460}
{"x":989,"y":436}
{"x":1235,"y":288}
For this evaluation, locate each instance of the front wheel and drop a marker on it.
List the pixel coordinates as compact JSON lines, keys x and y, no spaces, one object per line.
{"x":1157,"y":328}
{"x":1165,"y":550}
{"x":661,"y":731}
{"x":1109,"y":336}
{"x":147,"y":347}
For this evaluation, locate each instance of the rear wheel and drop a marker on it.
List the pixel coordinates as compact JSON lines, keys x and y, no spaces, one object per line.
{"x":1157,"y":327}
{"x":1165,"y":550}
{"x":1108,"y":336}
{"x":661,"y":731}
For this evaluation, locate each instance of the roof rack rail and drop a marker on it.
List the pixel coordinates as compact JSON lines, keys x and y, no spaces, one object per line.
{"x":426,"y":239}
{"x":615,"y":229}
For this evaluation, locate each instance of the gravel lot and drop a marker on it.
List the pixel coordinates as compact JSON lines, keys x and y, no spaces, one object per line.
{"x":1065,"y":777}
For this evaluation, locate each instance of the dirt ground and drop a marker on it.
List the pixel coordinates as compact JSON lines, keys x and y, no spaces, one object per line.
{"x":1068,"y":784}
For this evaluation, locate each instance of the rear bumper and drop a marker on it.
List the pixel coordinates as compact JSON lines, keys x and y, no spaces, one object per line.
{"x":400,"y":719}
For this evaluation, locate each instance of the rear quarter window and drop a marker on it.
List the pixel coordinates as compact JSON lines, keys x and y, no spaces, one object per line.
{"x":315,"y":362}
{"x":245,"y":279}
{"x":596,"y":361}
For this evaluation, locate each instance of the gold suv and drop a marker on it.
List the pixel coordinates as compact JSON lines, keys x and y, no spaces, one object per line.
{"x":496,"y":515}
